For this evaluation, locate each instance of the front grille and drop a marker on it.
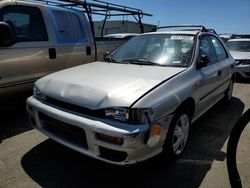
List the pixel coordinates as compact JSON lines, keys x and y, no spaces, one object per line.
{"x":74,"y":108}
{"x":246,"y":62}
{"x":243,"y":62}
{"x":67,"y":132}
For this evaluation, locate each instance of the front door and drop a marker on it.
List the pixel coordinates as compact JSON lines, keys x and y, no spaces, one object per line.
{"x":28,"y":58}
{"x":211,"y":76}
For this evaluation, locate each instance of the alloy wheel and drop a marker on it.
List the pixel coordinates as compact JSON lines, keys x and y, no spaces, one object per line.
{"x":181,"y":133}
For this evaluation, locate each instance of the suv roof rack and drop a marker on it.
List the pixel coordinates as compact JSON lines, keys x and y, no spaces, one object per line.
{"x":200,"y":28}
{"x":101,"y":6}
{"x":98,"y":8}
{"x":212,"y":31}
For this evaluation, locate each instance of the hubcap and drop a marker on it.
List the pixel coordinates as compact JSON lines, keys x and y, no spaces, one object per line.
{"x":181,"y":132}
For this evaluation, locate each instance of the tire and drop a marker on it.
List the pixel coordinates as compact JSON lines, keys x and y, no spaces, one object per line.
{"x":232,"y":145}
{"x":177,"y":136}
{"x":229,"y":92}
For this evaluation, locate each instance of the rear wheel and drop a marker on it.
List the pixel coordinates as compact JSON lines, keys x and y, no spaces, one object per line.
{"x":177,"y":135}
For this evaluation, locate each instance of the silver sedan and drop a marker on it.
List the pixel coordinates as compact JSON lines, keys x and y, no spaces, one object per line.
{"x":139,"y":101}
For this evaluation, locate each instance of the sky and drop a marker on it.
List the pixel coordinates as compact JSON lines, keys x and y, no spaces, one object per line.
{"x":225,"y":16}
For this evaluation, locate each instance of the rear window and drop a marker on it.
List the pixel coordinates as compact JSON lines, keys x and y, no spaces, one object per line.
{"x":68,"y":26}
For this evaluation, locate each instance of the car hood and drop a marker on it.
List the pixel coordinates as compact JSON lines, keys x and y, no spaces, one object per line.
{"x":100,"y":84}
{"x":240,"y":55}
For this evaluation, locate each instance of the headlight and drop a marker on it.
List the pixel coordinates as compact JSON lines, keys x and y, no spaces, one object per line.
{"x":130,"y":115}
{"x":118,"y":113}
{"x":37,"y":93}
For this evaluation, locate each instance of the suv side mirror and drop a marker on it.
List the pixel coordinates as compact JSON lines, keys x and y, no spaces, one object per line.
{"x":6,"y":36}
{"x":204,"y":60}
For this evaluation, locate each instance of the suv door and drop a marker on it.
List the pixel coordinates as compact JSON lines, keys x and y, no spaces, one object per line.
{"x":211,"y":75}
{"x":27,"y":59}
{"x":72,"y":37}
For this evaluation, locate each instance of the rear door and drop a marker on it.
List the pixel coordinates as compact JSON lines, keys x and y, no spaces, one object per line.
{"x":74,"y":45}
{"x":28,"y":58}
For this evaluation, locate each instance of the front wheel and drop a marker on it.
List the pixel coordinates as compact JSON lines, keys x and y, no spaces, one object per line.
{"x":177,"y":136}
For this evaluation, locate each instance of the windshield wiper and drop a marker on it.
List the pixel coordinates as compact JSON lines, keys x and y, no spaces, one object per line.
{"x":139,"y":61}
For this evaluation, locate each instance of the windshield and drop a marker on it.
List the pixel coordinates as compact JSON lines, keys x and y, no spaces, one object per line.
{"x":239,"y":46}
{"x":161,"y":49}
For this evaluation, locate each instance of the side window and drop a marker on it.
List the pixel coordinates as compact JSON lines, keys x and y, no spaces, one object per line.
{"x":206,"y":49}
{"x":68,"y":27}
{"x":219,"y":50}
{"x":26,"y":23}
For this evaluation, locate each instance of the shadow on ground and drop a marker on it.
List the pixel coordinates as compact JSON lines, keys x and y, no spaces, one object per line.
{"x":14,"y":117}
{"x":242,"y":80}
{"x":52,"y":165}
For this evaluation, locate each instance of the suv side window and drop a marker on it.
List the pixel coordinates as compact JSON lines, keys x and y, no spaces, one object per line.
{"x":26,"y":23}
{"x":219,"y":50}
{"x":69,"y":28}
{"x":206,"y":49}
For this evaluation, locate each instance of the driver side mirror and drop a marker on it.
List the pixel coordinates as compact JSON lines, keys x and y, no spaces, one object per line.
{"x":6,"y":36}
{"x":204,"y":60}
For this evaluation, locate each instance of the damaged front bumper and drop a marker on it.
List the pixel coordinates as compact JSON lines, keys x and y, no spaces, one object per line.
{"x":107,"y":140}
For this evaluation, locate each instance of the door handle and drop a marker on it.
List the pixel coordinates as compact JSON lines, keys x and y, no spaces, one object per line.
{"x":232,"y":66}
{"x":88,"y":50}
{"x":219,"y":73}
{"x":52,"y":53}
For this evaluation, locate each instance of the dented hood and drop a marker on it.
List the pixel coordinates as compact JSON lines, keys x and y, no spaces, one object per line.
{"x":100,"y":84}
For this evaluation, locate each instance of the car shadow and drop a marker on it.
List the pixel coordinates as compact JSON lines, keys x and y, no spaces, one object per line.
{"x":242,"y":80}
{"x":13,"y":107}
{"x":53,"y":165}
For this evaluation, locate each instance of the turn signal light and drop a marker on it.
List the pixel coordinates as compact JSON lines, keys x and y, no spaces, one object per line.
{"x":111,"y":139}
{"x":156,"y":130}
{"x":154,"y":135}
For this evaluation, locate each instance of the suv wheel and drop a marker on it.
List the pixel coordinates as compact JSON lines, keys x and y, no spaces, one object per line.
{"x":177,"y":136}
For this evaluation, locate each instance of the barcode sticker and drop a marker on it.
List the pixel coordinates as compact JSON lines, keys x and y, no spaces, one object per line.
{"x":181,"y":37}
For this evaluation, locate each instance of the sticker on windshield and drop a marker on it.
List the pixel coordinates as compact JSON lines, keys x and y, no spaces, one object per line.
{"x":176,"y":62}
{"x":181,"y":37}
